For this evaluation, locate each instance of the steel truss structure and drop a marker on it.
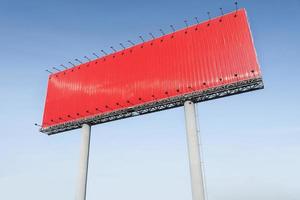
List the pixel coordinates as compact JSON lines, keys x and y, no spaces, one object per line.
{"x":172,"y":102}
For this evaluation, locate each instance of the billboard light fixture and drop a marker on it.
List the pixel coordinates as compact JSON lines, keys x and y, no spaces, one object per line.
{"x":153,"y":96}
{"x":113,"y":49}
{"x":236,"y":8}
{"x":70,"y":116}
{"x":97,"y":109}
{"x":209,"y":18}
{"x":162,"y":32}
{"x":87,"y":58}
{"x":131,"y":42}
{"x":141,"y":37}
{"x":56,"y":69}
{"x":172,"y":27}
{"x":78,"y":61}
{"x":129,"y":102}
{"x":37,"y":125}
{"x":118,"y":104}
{"x":140,"y":99}
{"x":186,"y":23}
{"x":48,"y":71}
{"x":95,"y":55}
{"x":122,"y":46}
{"x":222,"y":13}
{"x":89,"y":112}
{"x":71,"y":64}
{"x":104,"y":52}
{"x":152,"y":36}
{"x":107,"y":107}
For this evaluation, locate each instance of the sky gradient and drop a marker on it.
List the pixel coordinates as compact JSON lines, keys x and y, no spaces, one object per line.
{"x":250,"y":142}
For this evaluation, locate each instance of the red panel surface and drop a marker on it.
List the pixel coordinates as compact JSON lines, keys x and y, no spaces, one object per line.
{"x":206,"y":55}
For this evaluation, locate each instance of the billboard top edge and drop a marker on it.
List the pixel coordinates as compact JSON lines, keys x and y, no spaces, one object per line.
{"x":148,"y":41}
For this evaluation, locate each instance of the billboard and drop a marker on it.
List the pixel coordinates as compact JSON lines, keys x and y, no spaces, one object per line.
{"x":205,"y":61}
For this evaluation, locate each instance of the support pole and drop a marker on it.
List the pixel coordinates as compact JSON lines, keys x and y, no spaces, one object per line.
{"x":194,"y":151}
{"x":84,"y":162}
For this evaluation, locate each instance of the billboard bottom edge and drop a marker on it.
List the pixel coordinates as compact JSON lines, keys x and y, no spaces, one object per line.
{"x":173,"y":102}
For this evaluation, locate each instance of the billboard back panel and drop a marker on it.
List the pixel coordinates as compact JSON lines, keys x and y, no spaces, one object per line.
{"x":209,"y":55}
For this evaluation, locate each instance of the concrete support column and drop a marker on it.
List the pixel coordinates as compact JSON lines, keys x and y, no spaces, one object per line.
{"x":194,"y":151}
{"x":84,"y":162}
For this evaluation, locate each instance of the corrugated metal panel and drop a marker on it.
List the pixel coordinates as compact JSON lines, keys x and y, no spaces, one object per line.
{"x":193,"y":59}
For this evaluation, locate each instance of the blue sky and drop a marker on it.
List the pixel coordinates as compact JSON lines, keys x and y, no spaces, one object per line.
{"x":251,"y":142}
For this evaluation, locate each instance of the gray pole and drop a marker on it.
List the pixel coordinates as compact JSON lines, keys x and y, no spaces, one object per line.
{"x":194,"y":151}
{"x":84,"y":162}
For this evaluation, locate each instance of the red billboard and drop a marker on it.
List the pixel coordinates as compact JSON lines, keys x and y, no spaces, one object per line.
{"x":209,"y":60}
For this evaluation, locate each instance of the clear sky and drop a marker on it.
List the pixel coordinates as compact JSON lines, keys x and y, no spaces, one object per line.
{"x":251,"y":142}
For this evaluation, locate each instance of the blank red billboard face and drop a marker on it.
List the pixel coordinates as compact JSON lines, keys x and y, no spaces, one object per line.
{"x":202,"y":62}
